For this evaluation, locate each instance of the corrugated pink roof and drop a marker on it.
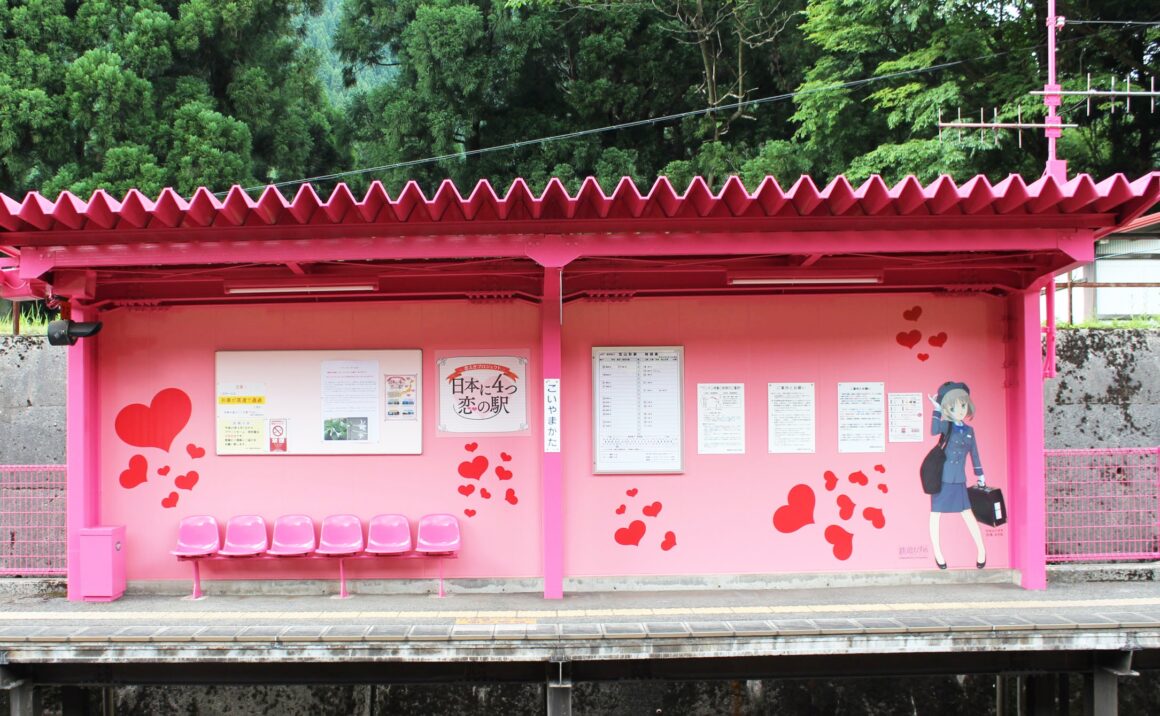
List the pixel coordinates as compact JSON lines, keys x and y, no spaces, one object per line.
{"x":448,"y":209}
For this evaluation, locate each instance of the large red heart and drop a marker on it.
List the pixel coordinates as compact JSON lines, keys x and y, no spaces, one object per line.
{"x":670,"y":541}
{"x":466,"y":490}
{"x":842,"y":541}
{"x":503,"y":473}
{"x":875,"y":517}
{"x":156,"y":424}
{"x":473,"y":469}
{"x":652,"y":510}
{"x":909,"y":339}
{"x":845,"y":507}
{"x":630,"y":535}
{"x":170,"y":501}
{"x":938,"y":341}
{"x":797,"y":512}
{"x":913,"y":313}
{"x":186,"y":481}
{"x":136,"y":474}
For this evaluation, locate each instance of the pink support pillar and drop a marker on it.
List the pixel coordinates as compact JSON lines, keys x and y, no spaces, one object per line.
{"x":551,"y":318}
{"x":83,"y":484}
{"x":1025,"y":463}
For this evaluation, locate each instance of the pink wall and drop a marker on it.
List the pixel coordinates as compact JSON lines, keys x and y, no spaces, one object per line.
{"x":719,"y":511}
{"x":144,"y":352}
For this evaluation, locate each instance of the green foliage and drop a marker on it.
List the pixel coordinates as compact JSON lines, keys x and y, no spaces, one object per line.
{"x":152,"y":93}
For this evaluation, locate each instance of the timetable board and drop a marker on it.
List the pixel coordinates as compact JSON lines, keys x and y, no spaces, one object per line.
{"x":319,"y":402}
{"x":638,"y":409}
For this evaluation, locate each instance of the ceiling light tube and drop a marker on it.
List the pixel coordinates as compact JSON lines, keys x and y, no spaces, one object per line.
{"x":804,"y":278}
{"x":241,"y":290}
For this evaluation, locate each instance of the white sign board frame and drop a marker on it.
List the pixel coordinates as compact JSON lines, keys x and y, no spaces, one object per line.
{"x":297,"y":402}
{"x":638,"y":414}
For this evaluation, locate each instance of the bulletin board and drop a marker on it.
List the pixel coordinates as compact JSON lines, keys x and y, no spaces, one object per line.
{"x":638,"y":409}
{"x":357,"y":402}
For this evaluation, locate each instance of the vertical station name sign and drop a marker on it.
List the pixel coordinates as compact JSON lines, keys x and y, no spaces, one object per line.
{"x":638,"y":409}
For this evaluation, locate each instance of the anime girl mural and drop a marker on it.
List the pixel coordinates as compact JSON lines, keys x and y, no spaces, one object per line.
{"x":953,"y":405}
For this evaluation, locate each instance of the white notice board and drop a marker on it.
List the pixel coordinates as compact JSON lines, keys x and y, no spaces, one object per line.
{"x":335,"y":402}
{"x":638,"y":409}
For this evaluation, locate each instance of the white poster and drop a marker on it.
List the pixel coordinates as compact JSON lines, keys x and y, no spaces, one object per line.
{"x":638,"y":409}
{"x":350,"y":400}
{"x":861,"y":417}
{"x":721,"y":418}
{"x":792,"y":412}
{"x":241,"y":418}
{"x":905,"y":417}
{"x":551,"y":415}
{"x":483,"y":394}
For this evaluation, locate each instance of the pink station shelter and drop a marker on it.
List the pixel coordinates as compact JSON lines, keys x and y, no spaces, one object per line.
{"x":678,"y":385}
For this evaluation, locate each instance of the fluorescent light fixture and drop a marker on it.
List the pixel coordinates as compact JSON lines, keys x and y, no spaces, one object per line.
{"x":804,"y":277}
{"x":272,"y":288}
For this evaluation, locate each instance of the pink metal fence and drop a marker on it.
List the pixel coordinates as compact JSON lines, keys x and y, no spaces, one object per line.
{"x":1103,"y":505}
{"x":32,"y":520}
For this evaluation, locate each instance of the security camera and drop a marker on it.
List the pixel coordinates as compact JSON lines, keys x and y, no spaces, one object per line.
{"x":66,"y":333}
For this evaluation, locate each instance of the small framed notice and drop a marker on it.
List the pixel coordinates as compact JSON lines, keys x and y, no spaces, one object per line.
{"x":638,"y":414}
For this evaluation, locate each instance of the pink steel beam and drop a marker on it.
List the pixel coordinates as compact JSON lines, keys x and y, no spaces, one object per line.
{"x":552,"y":477}
{"x":83,"y":485}
{"x":1056,"y":168}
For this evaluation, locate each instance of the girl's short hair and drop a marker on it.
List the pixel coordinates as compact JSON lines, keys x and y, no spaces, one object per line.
{"x":955,"y":395}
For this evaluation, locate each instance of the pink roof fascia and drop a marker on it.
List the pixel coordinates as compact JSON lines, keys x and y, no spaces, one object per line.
{"x":1103,"y":206}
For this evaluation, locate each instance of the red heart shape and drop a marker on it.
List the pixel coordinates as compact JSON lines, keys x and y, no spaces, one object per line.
{"x":631,"y":492}
{"x":831,"y":480}
{"x":670,"y":541}
{"x":466,"y":490}
{"x":163,"y":471}
{"x":505,"y":457}
{"x":859,"y":478}
{"x":880,"y":468}
{"x":470,"y":447}
{"x":883,"y":488}
{"x":503,"y":473}
{"x":186,"y":481}
{"x":472,"y":470}
{"x":484,"y":493}
{"x":652,"y":510}
{"x":469,"y":512}
{"x":620,"y":510}
{"x":845,"y":507}
{"x":875,"y":516}
{"x":194,"y":451}
{"x":170,"y":501}
{"x":630,"y":535}
{"x":913,"y":313}
{"x":797,"y":512}
{"x":156,"y":424}
{"x":939,"y":340}
{"x":842,"y":541}
{"x":923,"y":357}
{"x":909,"y":340}
{"x":510,"y":496}
{"x":136,"y":474}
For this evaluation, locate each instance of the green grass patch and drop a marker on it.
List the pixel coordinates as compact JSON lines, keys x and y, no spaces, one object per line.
{"x":33,"y":320}
{"x":1133,"y":323}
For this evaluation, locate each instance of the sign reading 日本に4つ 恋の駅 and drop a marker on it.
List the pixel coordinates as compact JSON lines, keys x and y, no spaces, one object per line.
{"x":483,"y":394}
